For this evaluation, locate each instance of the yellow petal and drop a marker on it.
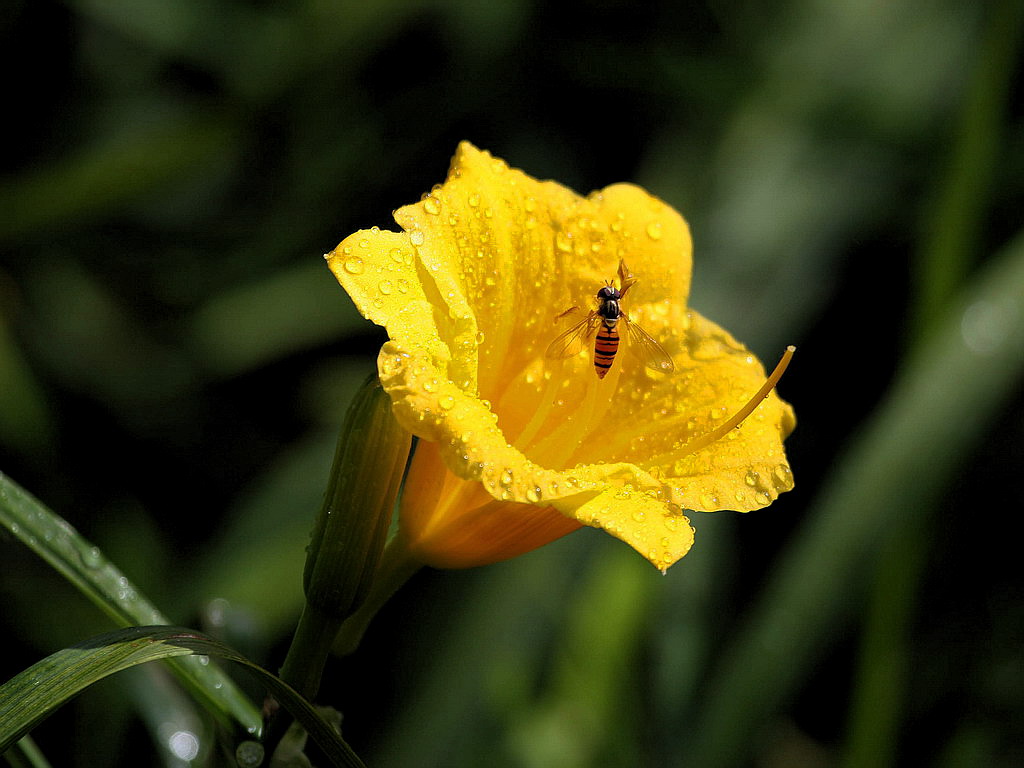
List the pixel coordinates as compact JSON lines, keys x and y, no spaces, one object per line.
{"x":531,"y":447}
{"x":450,"y":522}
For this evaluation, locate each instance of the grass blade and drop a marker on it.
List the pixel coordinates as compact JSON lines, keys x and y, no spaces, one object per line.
{"x":32,"y":695}
{"x":85,"y":566}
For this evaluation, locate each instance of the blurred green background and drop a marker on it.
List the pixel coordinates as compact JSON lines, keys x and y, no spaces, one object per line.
{"x":175,"y":359}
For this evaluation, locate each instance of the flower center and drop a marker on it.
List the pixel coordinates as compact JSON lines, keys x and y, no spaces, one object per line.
{"x":559,"y":446}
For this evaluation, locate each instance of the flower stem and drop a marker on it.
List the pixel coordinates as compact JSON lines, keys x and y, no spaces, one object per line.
{"x":395,"y":568}
{"x":304,"y":665}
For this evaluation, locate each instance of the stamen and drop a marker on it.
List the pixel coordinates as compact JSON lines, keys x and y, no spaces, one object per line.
{"x":737,"y":418}
{"x":524,"y":440}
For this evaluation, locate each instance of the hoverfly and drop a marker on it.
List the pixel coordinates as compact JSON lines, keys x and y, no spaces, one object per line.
{"x":604,"y":320}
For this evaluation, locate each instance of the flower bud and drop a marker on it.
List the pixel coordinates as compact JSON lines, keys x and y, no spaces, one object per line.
{"x":352,"y":526}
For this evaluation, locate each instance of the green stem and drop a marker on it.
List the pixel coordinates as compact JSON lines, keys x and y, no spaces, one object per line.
{"x":25,"y":754}
{"x":304,"y":665}
{"x":395,"y":568}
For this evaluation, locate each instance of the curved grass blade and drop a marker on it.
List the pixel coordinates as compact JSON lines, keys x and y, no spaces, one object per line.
{"x":84,"y":565}
{"x":32,"y":695}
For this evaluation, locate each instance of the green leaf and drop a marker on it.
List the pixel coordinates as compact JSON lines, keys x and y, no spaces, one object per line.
{"x":85,"y":566}
{"x":35,"y":693}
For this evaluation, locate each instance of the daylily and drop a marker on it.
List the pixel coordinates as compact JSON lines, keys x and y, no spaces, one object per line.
{"x":518,"y":447}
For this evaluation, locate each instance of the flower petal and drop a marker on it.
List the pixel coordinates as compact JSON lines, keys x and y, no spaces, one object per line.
{"x":532,"y":446}
{"x":449,"y":522}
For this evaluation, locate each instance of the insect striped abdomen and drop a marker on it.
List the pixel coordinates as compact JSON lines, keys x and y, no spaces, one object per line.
{"x":605,"y":347}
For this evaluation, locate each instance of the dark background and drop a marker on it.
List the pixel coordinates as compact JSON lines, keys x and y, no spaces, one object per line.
{"x":175,"y":360}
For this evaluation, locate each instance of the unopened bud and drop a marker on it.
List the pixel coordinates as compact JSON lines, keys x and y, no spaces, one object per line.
{"x":352,"y":525}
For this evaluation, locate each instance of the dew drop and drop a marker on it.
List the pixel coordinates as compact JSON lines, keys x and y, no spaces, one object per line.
{"x":474,"y":200}
{"x":533,"y":494}
{"x":396,"y":255}
{"x":249,"y":754}
{"x":447,"y":403}
{"x":782,"y":477}
{"x":416,"y":237}
{"x":709,"y":500}
{"x":639,"y":515}
{"x":354,"y":266}
{"x":432,"y":205}
{"x":752,"y":478}
{"x":403,"y":285}
{"x":506,"y":477}
{"x":654,"y":230}
{"x":385,"y":287}
{"x":92,"y":557}
{"x":563,"y":242}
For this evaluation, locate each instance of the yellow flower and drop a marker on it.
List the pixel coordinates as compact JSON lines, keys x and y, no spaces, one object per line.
{"x":518,"y":447}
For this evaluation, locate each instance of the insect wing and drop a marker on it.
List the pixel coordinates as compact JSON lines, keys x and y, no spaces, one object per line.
{"x":570,"y":343}
{"x":642,"y":344}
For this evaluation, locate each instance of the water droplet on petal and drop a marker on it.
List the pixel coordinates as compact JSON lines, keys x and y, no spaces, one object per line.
{"x":533,"y":495}
{"x":354,"y":266}
{"x":416,"y":237}
{"x":782,"y":477}
{"x":506,"y":477}
{"x":432,"y":205}
{"x":654,"y":230}
{"x":385,"y":287}
{"x":474,"y":200}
